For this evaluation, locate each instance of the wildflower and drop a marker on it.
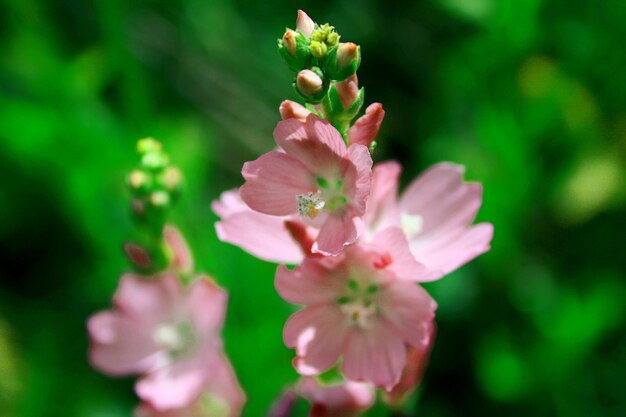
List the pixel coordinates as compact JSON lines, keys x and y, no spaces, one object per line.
{"x":361,"y":306}
{"x":314,"y":175}
{"x":167,"y":333}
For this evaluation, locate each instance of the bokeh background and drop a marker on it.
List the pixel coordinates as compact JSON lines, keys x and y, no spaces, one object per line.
{"x":530,"y":95}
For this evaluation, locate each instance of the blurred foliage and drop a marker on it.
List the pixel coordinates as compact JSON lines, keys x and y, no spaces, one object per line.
{"x":530,"y":95}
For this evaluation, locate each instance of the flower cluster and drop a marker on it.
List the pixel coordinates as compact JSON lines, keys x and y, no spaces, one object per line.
{"x":360,"y":250}
{"x":165,"y":326}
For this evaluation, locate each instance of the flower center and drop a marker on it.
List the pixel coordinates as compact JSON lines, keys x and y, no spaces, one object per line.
{"x":310,"y":204}
{"x":329,"y":197}
{"x":359,"y":305}
{"x":411,"y":224}
{"x":175,"y":339}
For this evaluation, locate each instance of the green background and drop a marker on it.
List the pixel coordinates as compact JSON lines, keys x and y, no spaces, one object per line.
{"x":529,"y":95}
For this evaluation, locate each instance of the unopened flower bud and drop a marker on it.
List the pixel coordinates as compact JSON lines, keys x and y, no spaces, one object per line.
{"x":172,"y":178}
{"x":311,"y":85}
{"x":291,"y":110}
{"x":366,"y":127}
{"x":137,"y":179}
{"x":318,"y":49}
{"x":159,"y":199}
{"x":348,"y":91}
{"x":146,"y":145}
{"x":289,"y":41}
{"x":343,"y":61}
{"x":294,"y":49}
{"x":304,"y":24}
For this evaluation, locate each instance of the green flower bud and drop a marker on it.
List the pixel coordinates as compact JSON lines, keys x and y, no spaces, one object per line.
{"x":318,"y":49}
{"x":342,"y":61}
{"x":146,"y":145}
{"x":312,"y":85}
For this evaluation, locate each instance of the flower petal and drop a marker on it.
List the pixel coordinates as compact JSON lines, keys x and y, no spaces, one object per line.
{"x":315,"y":143}
{"x":262,"y":235}
{"x":381,"y":205}
{"x":273,"y":181}
{"x":206,"y":306}
{"x":403,"y":264}
{"x":119,"y":345}
{"x":442,"y":199}
{"x":337,"y":232}
{"x":308,"y":284}
{"x":450,"y":251}
{"x":318,"y":333}
{"x":358,"y":178}
{"x":375,"y":355}
{"x":409,"y":310}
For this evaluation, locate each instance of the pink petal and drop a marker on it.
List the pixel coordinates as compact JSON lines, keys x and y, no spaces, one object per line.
{"x":339,"y":400}
{"x":337,"y":232}
{"x":315,"y":143}
{"x":224,"y":384}
{"x":174,"y":386}
{"x":148,"y":300}
{"x":304,"y":23}
{"x":262,"y":235}
{"x":409,"y":310}
{"x":308,"y":284}
{"x":183,"y":261}
{"x":392,"y":241}
{"x":375,"y":355}
{"x":450,"y":251}
{"x":366,"y":128}
{"x":119,"y":345}
{"x":442,"y":199}
{"x":318,"y":333}
{"x":358,"y":178}
{"x":206,"y":306}
{"x":230,"y":202}
{"x":382,"y":202}
{"x":273,"y":181}
{"x":348,"y":91}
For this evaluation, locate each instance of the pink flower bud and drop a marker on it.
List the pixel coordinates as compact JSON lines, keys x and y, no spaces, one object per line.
{"x":366,"y":128}
{"x":289,"y":41}
{"x":304,"y":23}
{"x":291,"y":110}
{"x":309,"y":83}
{"x":348,"y":91}
{"x":347,"y":52}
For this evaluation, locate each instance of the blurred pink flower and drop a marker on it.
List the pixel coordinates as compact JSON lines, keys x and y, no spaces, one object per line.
{"x":313,"y":173}
{"x":435,"y":212}
{"x":167,"y":333}
{"x":221,"y":396}
{"x":345,"y":399}
{"x":361,"y":306}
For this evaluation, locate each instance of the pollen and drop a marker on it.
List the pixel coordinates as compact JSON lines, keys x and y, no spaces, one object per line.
{"x":310,"y":204}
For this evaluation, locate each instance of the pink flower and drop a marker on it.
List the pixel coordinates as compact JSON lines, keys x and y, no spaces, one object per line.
{"x":221,"y":396}
{"x":345,"y":399}
{"x":266,"y":237}
{"x":167,"y":333}
{"x":361,"y":306}
{"x":435,"y":212}
{"x":312,"y":174}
